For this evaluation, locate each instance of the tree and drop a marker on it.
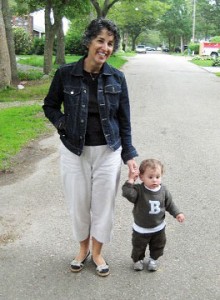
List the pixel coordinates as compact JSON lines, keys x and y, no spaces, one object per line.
{"x":176,"y":23}
{"x":102,"y":7}
{"x":10,"y":40}
{"x":138,"y":17}
{"x":5,"y":66}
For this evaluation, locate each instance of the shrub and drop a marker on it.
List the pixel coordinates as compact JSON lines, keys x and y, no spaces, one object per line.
{"x":194,"y":47}
{"x":74,"y":37}
{"x":22,"y":41}
{"x":216,"y":62}
{"x":38,"y":46}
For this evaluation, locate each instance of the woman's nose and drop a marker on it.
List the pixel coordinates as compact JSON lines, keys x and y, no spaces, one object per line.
{"x":105,"y":46}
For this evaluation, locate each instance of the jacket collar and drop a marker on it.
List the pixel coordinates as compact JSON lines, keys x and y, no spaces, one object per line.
{"x":77,"y":69}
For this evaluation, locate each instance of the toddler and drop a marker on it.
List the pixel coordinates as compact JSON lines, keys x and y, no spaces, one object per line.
{"x":151,"y":200}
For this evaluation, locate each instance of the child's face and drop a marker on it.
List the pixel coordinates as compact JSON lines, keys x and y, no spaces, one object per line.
{"x":152,"y":177}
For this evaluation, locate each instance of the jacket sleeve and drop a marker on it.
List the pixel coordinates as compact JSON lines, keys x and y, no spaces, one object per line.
{"x":53,"y":103}
{"x":128,"y":150}
{"x":130,"y":192}
{"x":170,"y":205}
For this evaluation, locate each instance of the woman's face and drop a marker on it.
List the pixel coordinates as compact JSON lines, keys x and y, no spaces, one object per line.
{"x":101,"y":47}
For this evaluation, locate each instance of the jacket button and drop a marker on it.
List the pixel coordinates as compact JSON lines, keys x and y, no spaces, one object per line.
{"x":72,"y":92}
{"x":82,"y":121}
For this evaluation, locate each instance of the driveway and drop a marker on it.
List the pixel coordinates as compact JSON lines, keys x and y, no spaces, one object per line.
{"x":175,"y":118}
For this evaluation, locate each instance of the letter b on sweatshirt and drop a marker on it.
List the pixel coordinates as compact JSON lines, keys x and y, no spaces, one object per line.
{"x":154,"y":207}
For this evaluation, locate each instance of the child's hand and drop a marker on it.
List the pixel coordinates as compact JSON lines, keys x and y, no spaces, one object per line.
{"x":180,"y":218}
{"x":133,"y":176}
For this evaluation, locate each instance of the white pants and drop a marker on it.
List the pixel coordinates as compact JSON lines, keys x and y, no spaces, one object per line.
{"x":90,"y":186}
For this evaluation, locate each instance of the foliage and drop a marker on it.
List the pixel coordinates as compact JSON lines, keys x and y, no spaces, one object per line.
{"x":38,"y":46}
{"x":73,"y":39}
{"x":194,"y":47}
{"x":215,"y":39}
{"x":22,"y":40}
{"x":30,"y":75}
{"x":136,"y":18}
{"x":216,"y":62}
{"x":175,"y":25}
{"x":207,"y":19}
{"x":21,"y":125}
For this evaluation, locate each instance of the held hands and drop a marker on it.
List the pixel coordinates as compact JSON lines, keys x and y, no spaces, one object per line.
{"x":180,"y":218}
{"x":133,"y":171}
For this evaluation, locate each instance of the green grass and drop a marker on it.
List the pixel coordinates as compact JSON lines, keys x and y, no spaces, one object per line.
{"x":202,"y":62}
{"x":30,"y":75}
{"x":116,"y":60}
{"x":33,"y":91}
{"x":18,"y":125}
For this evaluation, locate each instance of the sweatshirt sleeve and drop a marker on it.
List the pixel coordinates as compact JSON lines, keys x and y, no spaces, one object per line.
{"x":170,"y":205}
{"x":129,"y":191}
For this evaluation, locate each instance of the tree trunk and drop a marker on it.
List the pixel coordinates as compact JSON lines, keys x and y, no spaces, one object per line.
{"x":5,"y":66}
{"x":50,"y":31}
{"x":10,"y":40}
{"x":60,"y":55}
{"x":102,"y":12}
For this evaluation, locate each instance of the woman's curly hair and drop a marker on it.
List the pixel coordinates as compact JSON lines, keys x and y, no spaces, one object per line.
{"x":94,"y":29}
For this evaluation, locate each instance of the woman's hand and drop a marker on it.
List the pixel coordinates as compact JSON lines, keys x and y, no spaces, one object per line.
{"x":132,"y":165}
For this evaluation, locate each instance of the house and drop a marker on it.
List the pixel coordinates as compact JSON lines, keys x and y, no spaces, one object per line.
{"x":34,"y":23}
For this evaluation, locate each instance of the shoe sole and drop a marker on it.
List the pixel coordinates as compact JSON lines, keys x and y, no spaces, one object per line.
{"x":103,"y":274}
{"x":76,"y":270}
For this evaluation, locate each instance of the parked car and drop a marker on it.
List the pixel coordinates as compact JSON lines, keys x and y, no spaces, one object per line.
{"x":150,"y":48}
{"x":141,"y":49}
{"x":165,"y":49}
{"x":178,"y":48}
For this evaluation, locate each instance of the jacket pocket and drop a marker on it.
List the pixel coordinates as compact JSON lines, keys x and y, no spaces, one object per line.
{"x":112,"y":93}
{"x":72,"y":96}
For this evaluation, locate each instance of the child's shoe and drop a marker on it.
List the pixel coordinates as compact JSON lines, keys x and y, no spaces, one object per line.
{"x":152,"y":265}
{"x":139,"y":265}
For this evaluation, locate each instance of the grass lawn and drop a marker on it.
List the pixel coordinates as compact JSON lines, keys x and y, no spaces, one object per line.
{"x":34,"y":90}
{"x":116,"y":60}
{"x":19,"y":125}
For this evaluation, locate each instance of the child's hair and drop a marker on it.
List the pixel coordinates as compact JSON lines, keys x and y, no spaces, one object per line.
{"x":150,"y":163}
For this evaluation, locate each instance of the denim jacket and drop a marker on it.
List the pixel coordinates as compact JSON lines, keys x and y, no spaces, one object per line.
{"x":66,"y":106}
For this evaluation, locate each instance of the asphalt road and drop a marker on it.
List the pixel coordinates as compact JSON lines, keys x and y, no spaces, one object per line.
{"x":175,"y":117}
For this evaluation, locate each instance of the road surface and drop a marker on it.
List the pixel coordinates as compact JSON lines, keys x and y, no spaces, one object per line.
{"x":175,"y":118}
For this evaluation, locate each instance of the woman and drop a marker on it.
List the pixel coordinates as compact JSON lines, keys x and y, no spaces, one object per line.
{"x":95,"y":132}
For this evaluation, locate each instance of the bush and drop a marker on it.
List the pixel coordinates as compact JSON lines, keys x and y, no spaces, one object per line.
{"x":73,"y":37}
{"x":38,"y":46}
{"x":22,"y":41}
{"x":194,"y":48}
{"x":216,"y":62}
